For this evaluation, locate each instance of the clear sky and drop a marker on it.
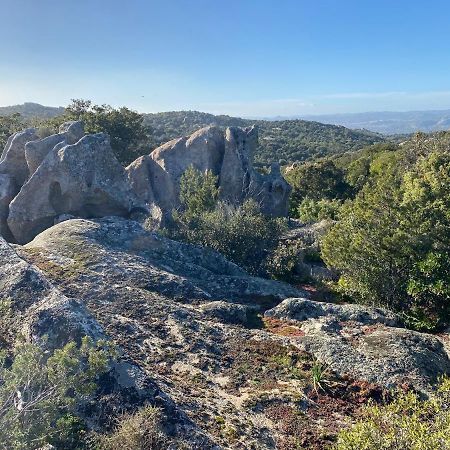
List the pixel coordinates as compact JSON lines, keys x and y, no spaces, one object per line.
{"x":240,"y":57}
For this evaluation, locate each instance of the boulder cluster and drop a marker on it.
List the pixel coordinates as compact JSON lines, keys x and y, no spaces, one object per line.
{"x":70,"y":174}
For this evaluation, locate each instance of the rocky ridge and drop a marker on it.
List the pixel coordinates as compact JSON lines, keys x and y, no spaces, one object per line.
{"x":68,"y":174}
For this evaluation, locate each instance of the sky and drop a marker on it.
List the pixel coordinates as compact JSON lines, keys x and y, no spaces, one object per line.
{"x":253,"y":58}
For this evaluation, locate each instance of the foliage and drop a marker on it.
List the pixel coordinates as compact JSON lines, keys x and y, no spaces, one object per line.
{"x":311,"y":210}
{"x":406,"y":423}
{"x":130,"y":138}
{"x":356,"y":165}
{"x":319,"y":372}
{"x":198,"y":192}
{"x":281,"y":262}
{"x":8,"y":126}
{"x":317,"y":180}
{"x":243,"y":234}
{"x":391,"y":244}
{"x":139,"y":431}
{"x":38,"y":393}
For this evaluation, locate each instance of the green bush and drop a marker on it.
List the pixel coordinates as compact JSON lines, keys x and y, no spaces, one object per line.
{"x":311,"y":210}
{"x":392,"y":243}
{"x":39,"y":393}
{"x":282,"y":261}
{"x":316,"y":181}
{"x":408,"y":423}
{"x":241,"y":233}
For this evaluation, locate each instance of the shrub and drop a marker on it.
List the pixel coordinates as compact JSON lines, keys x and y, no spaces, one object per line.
{"x":241,"y":233}
{"x":6,"y":321}
{"x":391,"y":244}
{"x":316,"y":181}
{"x":39,"y":394}
{"x":139,"y":431}
{"x":198,"y":192}
{"x":281,"y":262}
{"x":406,"y":423}
{"x":311,"y":210}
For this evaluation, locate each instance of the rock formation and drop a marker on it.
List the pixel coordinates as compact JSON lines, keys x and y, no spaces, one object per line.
{"x":82,"y":180}
{"x":44,"y":181}
{"x":229,"y":156}
{"x":366,"y":343}
{"x":36,"y":151}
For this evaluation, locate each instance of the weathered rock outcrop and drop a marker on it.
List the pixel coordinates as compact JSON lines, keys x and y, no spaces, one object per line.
{"x":229,"y":156}
{"x":68,"y":175}
{"x":187,"y":319}
{"x":22,"y":155}
{"x":13,"y":173}
{"x":36,"y":151}
{"x":366,"y":343}
{"x":46,"y":317}
{"x":84,"y":180}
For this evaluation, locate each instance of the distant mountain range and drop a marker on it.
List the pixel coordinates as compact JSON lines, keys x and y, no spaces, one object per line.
{"x":389,"y":122}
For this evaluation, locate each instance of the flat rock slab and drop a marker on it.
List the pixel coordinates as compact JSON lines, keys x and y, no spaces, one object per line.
{"x":365,"y":343}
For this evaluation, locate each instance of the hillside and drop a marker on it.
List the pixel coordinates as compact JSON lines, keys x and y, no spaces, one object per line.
{"x":31,"y":110}
{"x":286,"y":140}
{"x":281,"y":140}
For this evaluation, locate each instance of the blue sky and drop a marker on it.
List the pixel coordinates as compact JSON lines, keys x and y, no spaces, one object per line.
{"x":240,"y":57}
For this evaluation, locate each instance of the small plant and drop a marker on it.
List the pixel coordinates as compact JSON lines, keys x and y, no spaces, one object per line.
{"x":6,"y":319}
{"x":39,"y":394}
{"x":319,"y":372}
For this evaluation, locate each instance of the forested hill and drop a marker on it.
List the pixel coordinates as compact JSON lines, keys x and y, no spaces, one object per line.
{"x":32,"y":110}
{"x":285,"y":140}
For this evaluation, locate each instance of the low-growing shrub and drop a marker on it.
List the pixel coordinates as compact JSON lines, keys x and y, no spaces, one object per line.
{"x":311,"y":210}
{"x":39,"y":394}
{"x":139,"y":431}
{"x":241,"y":233}
{"x":406,"y":423}
{"x":282,"y":261}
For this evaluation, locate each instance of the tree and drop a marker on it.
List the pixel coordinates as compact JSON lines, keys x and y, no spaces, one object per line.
{"x":392,"y":242}
{"x":8,"y":126}
{"x":39,"y":394}
{"x":317,"y":181}
{"x":130,"y":138}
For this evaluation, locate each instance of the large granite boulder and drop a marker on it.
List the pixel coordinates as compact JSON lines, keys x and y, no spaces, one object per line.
{"x":46,"y":317}
{"x":36,"y":151}
{"x":83,"y":180}
{"x":227,"y":155}
{"x":13,"y":173}
{"x":13,"y":161}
